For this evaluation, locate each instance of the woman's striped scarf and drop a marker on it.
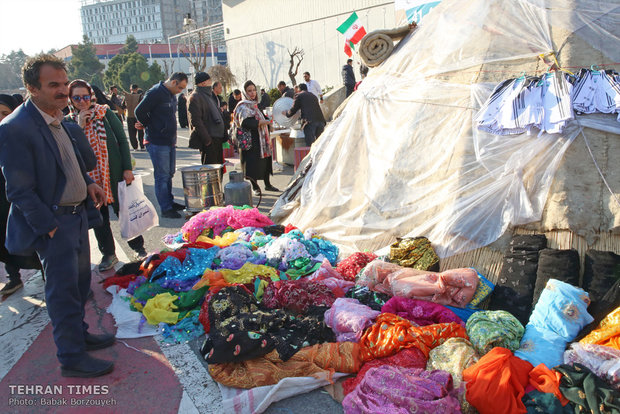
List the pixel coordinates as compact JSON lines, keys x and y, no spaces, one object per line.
{"x":95,"y":132}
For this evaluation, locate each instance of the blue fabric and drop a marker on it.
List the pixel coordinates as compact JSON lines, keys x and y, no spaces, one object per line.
{"x":464,"y":313}
{"x":163,"y":158}
{"x":194,"y":265}
{"x":157,"y":112}
{"x":184,"y":331}
{"x":559,"y":315}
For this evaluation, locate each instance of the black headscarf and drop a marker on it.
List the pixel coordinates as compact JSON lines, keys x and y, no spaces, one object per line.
{"x":9,"y":101}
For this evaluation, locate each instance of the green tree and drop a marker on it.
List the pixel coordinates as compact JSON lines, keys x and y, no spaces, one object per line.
{"x":11,"y":69}
{"x":84,"y":63}
{"x":156,"y":74}
{"x":111,"y":75}
{"x":123,"y":70}
{"x":131,"y":45}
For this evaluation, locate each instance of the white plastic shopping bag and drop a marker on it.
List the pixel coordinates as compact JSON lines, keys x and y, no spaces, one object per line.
{"x":136,"y":213}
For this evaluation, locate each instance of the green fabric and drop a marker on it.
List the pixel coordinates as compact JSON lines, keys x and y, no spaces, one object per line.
{"x":119,"y":158}
{"x":587,"y":392}
{"x":537,"y":402}
{"x":190,"y":299}
{"x":488,"y":329}
{"x":301,"y":267}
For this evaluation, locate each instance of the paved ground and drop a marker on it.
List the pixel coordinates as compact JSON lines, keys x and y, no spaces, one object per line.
{"x":149,"y":376}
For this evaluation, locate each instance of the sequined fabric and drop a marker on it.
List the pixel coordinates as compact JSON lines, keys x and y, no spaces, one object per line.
{"x":348,"y":318}
{"x":488,"y":329}
{"x":604,"y":361}
{"x":607,"y":332}
{"x":420,"y":312}
{"x":417,"y":253}
{"x":352,"y":265}
{"x":297,"y":295}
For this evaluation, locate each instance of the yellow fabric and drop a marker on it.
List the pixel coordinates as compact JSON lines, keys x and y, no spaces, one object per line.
{"x":248,"y":272}
{"x":260,"y":290}
{"x":607,"y":332}
{"x":221,"y":241}
{"x":160,"y":309}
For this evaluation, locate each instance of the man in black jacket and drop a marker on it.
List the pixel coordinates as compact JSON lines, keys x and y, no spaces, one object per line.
{"x":156,"y":112}
{"x":285,"y":90}
{"x":233,"y":99}
{"x":348,"y":77}
{"x":311,"y":114}
{"x":206,"y":125}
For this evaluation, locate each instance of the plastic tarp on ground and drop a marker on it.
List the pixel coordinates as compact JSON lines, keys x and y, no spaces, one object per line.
{"x":404,"y":157}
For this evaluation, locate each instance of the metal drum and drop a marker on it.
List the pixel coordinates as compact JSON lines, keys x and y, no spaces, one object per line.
{"x":202,"y":186}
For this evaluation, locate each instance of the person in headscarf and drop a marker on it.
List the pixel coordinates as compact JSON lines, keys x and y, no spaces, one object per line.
{"x":12,"y":263}
{"x":109,"y":143}
{"x":182,"y":109}
{"x":256,"y":161}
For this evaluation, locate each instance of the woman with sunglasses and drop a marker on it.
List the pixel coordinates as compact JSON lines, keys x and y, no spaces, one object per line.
{"x":109,"y":143}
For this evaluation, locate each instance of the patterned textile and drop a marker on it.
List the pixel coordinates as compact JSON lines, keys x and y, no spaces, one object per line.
{"x":488,"y":329}
{"x":607,"y":332}
{"x":547,"y":380}
{"x":240,"y":329}
{"x":420,"y":312}
{"x":348,"y":318}
{"x":496,"y":383}
{"x":405,"y":358}
{"x":537,"y":402}
{"x":297,"y":295}
{"x":365,"y":296}
{"x":391,"y":333}
{"x":484,"y":289}
{"x":351,"y":266}
{"x":454,"y":287}
{"x":331,"y":278}
{"x":561,"y":265}
{"x":515,"y":286}
{"x":249,"y":109}
{"x":559,"y":315}
{"x":94,"y":129}
{"x":414,"y":252}
{"x":320,"y":360}
{"x":454,"y":356}
{"x":604,"y":361}
{"x":391,"y":389}
{"x":587,"y":392}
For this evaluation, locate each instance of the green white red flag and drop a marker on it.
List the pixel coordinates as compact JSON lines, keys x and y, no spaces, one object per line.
{"x":353,"y":32}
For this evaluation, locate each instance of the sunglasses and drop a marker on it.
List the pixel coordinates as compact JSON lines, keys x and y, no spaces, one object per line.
{"x":78,"y":98}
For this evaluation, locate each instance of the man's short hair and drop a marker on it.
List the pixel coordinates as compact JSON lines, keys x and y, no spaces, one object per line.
{"x":223,"y":104}
{"x":178,"y":76}
{"x":349,"y":60}
{"x":216,"y":83}
{"x":134,"y":86}
{"x":236,"y":92}
{"x":307,"y":73}
{"x":31,"y":70}
{"x":281,"y":83}
{"x":303,"y":87}
{"x":113,"y":87}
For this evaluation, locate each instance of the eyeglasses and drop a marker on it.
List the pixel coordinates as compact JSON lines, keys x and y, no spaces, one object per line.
{"x":78,"y":98}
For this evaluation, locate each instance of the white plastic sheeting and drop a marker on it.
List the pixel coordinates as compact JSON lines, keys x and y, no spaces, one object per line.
{"x":403,"y":158}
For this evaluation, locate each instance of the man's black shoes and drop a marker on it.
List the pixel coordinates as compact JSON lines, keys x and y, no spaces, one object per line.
{"x":94,"y":342}
{"x":88,"y":367}
{"x":178,"y":207}
{"x":173,"y":214}
{"x":11,"y":287}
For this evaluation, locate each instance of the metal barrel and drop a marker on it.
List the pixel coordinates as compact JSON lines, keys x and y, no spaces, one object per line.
{"x":202,"y":186}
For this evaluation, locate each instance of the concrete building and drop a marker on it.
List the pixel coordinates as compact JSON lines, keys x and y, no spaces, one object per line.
{"x":149,"y":21}
{"x":259,"y":32}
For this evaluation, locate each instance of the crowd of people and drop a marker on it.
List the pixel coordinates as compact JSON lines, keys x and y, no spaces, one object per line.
{"x":64,"y":150}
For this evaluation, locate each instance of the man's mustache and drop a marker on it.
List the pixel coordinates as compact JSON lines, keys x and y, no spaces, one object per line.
{"x":62,"y":96}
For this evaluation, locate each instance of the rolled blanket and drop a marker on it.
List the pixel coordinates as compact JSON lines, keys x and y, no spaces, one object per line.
{"x":377,"y":46}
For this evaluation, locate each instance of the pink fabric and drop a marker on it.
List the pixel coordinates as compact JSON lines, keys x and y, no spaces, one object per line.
{"x":348,"y":318}
{"x":351,"y":266}
{"x":391,"y":389}
{"x":330,"y":277}
{"x":297,"y":295}
{"x":220,"y":218}
{"x":455,"y":287}
{"x":421,"y":312}
{"x":406,"y":358}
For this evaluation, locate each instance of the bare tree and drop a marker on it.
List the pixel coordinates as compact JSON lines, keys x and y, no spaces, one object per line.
{"x":223,"y":74}
{"x":297,"y":55}
{"x":168,"y":67}
{"x":195,"y":50}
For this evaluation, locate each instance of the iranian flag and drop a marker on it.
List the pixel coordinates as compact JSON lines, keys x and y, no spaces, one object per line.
{"x":353,"y":32}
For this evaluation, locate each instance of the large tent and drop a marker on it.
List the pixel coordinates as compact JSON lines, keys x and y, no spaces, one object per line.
{"x":404,"y":158}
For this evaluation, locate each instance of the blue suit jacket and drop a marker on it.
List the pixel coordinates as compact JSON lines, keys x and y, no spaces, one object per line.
{"x":35,"y":179}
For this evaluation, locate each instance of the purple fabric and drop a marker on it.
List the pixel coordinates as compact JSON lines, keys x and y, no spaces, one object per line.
{"x":348,"y":318}
{"x":420,"y":312}
{"x":392,"y":389}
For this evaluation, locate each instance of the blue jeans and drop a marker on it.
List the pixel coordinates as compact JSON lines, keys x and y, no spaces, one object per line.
{"x":163,"y":158}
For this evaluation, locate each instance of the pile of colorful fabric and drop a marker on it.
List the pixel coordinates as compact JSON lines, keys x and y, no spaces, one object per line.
{"x":274,"y":302}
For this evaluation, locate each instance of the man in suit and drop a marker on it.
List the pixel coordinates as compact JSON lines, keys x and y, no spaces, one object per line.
{"x":52,"y":196}
{"x":311,"y":114}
